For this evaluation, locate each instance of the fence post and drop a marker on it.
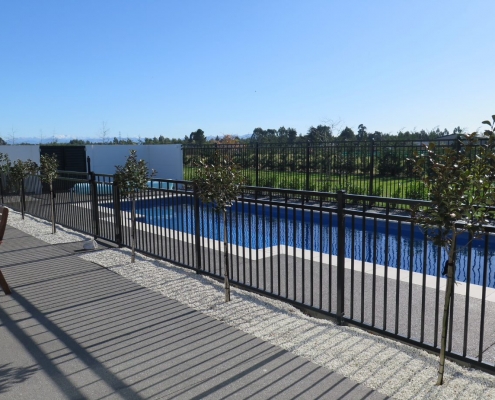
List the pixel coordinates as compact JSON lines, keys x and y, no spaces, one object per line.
{"x":307,"y":165}
{"x":88,"y":160}
{"x":94,"y":204}
{"x":23,"y":199}
{"x":257,"y":163}
{"x":340,"y":255}
{"x":197,"y":236}
{"x":52,"y":204}
{"x":116,"y":211}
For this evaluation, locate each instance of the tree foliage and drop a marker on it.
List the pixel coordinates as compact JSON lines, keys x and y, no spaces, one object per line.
{"x":390,"y":163}
{"x":320,"y":134}
{"x":218,"y":182}
{"x":48,"y":168}
{"x":197,"y":137}
{"x":19,"y":171}
{"x":133,"y":176}
{"x":281,"y":135}
{"x":347,"y":134}
{"x":362,"y":133}
{"x":5,"y":163}
{"x":461,"y":186}
{"x":5,"y":166}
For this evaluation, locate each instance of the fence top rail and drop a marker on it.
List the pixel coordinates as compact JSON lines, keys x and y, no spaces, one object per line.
{"x":68,"y":179}
{"x":63,"y":172}
{"x":288,"y":191}
{"x":178,"y":181}
{"x":390,"y":200}
{"x":334,"y":143}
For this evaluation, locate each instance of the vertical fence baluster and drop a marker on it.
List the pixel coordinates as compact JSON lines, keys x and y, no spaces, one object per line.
{"x":308,"y":185}
{"x":340,"y":256}
{"x":468,"y":287}
{"x":483,"y":301}
{"x":257,"y":163}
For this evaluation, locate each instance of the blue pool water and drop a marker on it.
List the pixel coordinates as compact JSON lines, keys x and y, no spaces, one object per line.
{"x":259,"y":227}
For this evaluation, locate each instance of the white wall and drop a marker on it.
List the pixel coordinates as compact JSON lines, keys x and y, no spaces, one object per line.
{"x":166,"y":159}
{"x":22,"y":152}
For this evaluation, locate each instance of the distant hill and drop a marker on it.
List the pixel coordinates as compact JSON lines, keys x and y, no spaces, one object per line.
{"x":58,"y":140}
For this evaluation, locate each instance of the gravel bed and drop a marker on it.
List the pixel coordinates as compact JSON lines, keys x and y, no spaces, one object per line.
{"x":390,"y":367}
{"x":42,"y":229}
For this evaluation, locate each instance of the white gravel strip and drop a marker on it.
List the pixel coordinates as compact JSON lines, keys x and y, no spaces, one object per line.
{"x":392,"y":368}
{"x":41,"y":229}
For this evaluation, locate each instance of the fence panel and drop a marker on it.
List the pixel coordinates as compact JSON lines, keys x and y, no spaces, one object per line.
{"x":325,"y":252}
{"x":368,"y":167}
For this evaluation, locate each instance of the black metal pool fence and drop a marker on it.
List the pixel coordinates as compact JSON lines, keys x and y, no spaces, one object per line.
{"x":305,"y":248}
{"x":369,"y":167}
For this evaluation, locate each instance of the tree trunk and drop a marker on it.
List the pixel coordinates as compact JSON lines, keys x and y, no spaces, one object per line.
{"x":133,"y":230}
{"x":52,"y":204}
{"x":226,"y":257}
{"x":446,"y":308}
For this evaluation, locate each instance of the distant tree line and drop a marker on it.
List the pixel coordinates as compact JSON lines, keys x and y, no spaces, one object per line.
{"x":282,"y":135}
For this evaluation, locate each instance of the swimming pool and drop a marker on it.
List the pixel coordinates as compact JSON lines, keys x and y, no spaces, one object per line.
{"x":263,"y":226}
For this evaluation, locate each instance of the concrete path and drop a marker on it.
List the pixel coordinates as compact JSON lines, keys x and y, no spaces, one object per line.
{"x":74,"y":330}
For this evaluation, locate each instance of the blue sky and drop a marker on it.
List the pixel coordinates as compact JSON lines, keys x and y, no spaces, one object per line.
{"x":167,"y":68}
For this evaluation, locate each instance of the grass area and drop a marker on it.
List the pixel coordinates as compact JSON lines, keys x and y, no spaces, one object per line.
{"x":399,"y":187}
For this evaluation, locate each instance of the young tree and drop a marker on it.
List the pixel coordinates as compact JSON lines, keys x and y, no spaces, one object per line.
{"x":132,"y":178}
{"x":48,"y":172}
{"x":219,"y":183}
{"x":461,"y":186}
{"x":18,"y":173}
{"x":104,"y":133}
{"x":5,"y":166}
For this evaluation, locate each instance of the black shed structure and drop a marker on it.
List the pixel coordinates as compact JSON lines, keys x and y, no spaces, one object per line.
{"x":70,"y":158}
